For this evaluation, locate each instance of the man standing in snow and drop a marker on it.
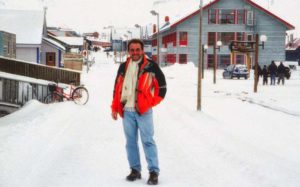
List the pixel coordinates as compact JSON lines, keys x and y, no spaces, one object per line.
{"x":265,"y":75}
{"x":140,"y":85}
{"x":273,"y":72}
{"x":281,"y":70}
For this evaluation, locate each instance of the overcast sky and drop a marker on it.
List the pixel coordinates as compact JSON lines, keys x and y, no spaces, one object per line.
{"x":93,"y":15}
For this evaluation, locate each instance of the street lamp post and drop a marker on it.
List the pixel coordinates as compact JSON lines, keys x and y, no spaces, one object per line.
{"x":200,"y":64}
{"x":154,"y":13}
{"x":141,"y":32}
{"x":121,"y":49}
{"x":129,"y":32}
{"x":216,"y":46}
{"x":263,"y":39}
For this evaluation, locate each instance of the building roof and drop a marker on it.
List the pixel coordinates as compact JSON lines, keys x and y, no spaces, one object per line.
{"x":54,"y":43}
{"x":61,"y":32}
{"x":27,"y":25}
{"x":295,"y":44}
{"x":288,"y":25}
{"x":71,"y":41}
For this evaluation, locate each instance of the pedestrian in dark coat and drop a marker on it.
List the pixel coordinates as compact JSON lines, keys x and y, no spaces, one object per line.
{"x":280,"y":72}
{"x":273,"y":72}
{"x":259,"y":73}
{"x":265,"y":75}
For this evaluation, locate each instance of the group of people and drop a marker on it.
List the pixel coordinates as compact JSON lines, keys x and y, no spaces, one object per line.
{"x":272,"y":70}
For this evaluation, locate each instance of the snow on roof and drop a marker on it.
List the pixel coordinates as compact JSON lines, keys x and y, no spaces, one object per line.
{"x":55,"y":43}
{"x":293,"y":45}
{"x":24,"y":78}
{"x":73,"y":41}
{"x":27,"y":25}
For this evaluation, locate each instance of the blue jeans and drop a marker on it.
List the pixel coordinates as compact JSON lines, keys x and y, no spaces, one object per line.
{"x":132,"y":122}
{"x":273,"y":78}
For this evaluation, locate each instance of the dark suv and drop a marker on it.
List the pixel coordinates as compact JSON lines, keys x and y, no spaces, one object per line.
{"x":235,"y":70}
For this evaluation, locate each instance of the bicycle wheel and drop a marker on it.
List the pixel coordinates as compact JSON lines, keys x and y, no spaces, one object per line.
{"x":80,"y":95}
{"x":53,"y":98}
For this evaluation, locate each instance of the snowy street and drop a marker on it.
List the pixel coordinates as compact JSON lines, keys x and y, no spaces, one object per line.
{"x":239,"y":139}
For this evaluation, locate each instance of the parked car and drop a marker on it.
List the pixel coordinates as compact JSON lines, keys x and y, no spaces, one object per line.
{"x":236,"y":70}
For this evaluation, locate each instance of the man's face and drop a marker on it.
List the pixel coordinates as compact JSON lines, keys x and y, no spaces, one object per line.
{"x":136,"y":51}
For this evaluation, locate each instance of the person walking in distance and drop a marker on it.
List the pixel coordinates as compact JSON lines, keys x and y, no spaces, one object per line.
{"x":280,"y":71}
{"x":140,"y":85}
{"x":265,"y":75}
{"x":273,"y":72}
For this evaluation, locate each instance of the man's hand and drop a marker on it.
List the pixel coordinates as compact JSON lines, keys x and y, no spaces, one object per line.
{"x":114,"y":115}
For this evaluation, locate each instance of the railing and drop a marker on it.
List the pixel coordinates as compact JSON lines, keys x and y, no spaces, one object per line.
{"x":19,"y":92}
{"x":39,"y":71}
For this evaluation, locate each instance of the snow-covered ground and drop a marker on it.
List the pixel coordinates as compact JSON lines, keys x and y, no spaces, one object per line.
{"x":239,"y":139}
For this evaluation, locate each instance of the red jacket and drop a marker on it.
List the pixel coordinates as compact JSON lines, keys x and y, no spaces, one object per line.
{"x":151,"y":87}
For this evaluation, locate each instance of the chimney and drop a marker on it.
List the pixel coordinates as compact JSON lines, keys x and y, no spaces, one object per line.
{"x":291,"y":38}
{"x":167,"y":19}
{"x":154,"y":28}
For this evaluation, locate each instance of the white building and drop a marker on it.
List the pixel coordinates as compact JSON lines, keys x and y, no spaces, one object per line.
{"x":31,"y":34}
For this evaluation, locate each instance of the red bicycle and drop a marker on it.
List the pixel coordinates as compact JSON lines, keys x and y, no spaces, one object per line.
{"x":79,"y":95}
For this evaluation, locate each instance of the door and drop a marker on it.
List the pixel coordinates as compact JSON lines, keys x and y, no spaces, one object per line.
{"x":50,"y":59}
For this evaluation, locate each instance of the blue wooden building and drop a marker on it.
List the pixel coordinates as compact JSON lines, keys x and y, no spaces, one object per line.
{"x":223,"y":20}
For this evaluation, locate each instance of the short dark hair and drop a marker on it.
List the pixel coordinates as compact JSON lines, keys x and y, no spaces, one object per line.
{"x":135,"y":41}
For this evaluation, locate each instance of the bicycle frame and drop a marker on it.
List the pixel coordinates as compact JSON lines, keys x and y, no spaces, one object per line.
{"x":60,"y":91}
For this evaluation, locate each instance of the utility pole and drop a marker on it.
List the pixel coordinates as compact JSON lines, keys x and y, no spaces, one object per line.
{"x":256,"y":63}
{"x":200,"y":65}
{"x":215,"y":63}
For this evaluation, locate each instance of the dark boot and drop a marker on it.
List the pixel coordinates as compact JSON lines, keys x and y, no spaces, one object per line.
{"x":133,"y":175}
{"x":153,"y":178}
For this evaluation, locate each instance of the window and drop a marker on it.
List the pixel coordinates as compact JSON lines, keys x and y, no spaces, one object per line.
{"x":212,"y":16}
{"x":226,"y":37}
{"x":239,"y":36}
{"x":226,"y":16}
{"x":182,"y":58}
{"x":171,"y":58}
{"x":249,"y":37}
{"x":5,"y":49}
{"x":250,"y":18}
{"x":183,"y":38}
{"x":241,"y":16}
{"x":240,"y":59}
{"x":222,"y":61}
{"x":154,"y":42}
{"x":210,"y":61}
{"x":211,"y":38}
{"x":170,"y":38}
